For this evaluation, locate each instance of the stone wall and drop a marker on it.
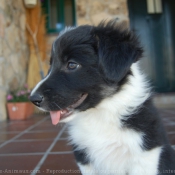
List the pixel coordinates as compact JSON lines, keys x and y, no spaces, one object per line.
{"x":94,"y":11}
{"x":14,"y":51}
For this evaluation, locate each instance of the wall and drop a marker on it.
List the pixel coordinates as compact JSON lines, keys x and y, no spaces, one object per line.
{"x":94,"y":11}
{"x":14,"y":51}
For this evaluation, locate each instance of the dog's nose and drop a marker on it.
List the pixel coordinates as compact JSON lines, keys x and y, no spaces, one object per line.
{"x":36,"y":99}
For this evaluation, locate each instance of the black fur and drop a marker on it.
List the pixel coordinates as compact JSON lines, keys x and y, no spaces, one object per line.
{"x":120,"y":44}
{"x":80,"y":156}
{"x":146,"y":120}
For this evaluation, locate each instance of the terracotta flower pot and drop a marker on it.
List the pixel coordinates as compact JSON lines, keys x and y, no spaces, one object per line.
{"x":20,"y":110}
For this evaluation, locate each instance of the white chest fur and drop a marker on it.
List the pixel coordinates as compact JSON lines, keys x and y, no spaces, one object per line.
{"x":111,"y":149}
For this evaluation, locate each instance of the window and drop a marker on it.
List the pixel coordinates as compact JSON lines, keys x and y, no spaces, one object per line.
{"x":60,"y":13}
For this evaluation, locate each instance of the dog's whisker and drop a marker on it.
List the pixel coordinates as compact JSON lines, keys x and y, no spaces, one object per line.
{"x":52,"y":105}
{"x":58,"y":96}
{"x":57,"y":106}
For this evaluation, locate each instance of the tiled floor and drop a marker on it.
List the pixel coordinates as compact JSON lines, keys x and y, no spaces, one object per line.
{"x":35,"y":146}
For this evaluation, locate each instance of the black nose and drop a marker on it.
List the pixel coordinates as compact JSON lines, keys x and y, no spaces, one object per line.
{"x":36,"y":99}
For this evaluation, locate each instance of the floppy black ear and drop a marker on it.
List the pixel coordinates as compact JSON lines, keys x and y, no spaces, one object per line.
{"x":117,"y":50}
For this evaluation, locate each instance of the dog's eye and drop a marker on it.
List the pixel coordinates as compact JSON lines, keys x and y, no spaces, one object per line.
{"x":72,"y":65}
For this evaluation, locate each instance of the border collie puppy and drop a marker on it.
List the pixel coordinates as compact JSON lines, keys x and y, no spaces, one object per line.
{"x":94,"y":85}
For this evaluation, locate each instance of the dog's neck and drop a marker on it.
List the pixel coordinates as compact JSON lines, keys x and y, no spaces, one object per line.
{"x":130,"y":97}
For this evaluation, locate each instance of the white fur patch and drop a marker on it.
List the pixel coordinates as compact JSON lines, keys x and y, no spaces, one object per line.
{"x":39,"y":84}
{"x":114,"y":150}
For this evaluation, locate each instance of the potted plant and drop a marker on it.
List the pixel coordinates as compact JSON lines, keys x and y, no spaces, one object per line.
{"x":18,"y":105}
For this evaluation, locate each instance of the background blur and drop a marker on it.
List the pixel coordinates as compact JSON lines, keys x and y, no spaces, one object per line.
{"x":27,"y":31}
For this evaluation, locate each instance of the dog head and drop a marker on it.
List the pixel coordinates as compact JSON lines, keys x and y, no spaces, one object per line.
{"x":87,"y":64}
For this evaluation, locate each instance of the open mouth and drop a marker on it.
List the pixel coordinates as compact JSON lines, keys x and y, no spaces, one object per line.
{"x":56,"y":116}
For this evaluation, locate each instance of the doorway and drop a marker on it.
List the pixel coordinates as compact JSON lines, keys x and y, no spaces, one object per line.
{"x":157,"y":36}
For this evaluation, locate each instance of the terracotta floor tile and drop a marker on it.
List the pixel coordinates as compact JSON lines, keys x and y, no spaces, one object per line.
{"x":60,"y":163}
{"x":7,"y":136}
{"x":42,"y":135}
{"x":172,"y":138}
{"x":61,"y":145}
{"x":25,"y":147}
{"x":15,"y":127}
{"x":171,"y":118}
{"x":30,"y":121}
{"x":170,"y":123}
{"x":168,"y":115}
{"x":170,"y":110}
{"x":170,"y":128}
{"x":65,"y":134}
{"x":49,"y":122}
{"x":22,"y":122}
{"x":3,"y":124}
{"x":17,"y":163}
{"x":46,"y":127}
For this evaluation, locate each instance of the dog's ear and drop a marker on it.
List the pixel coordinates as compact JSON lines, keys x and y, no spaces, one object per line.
{"x":117,"y":50}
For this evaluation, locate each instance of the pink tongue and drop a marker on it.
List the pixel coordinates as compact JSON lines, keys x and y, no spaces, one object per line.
{"x":55,"y":116}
